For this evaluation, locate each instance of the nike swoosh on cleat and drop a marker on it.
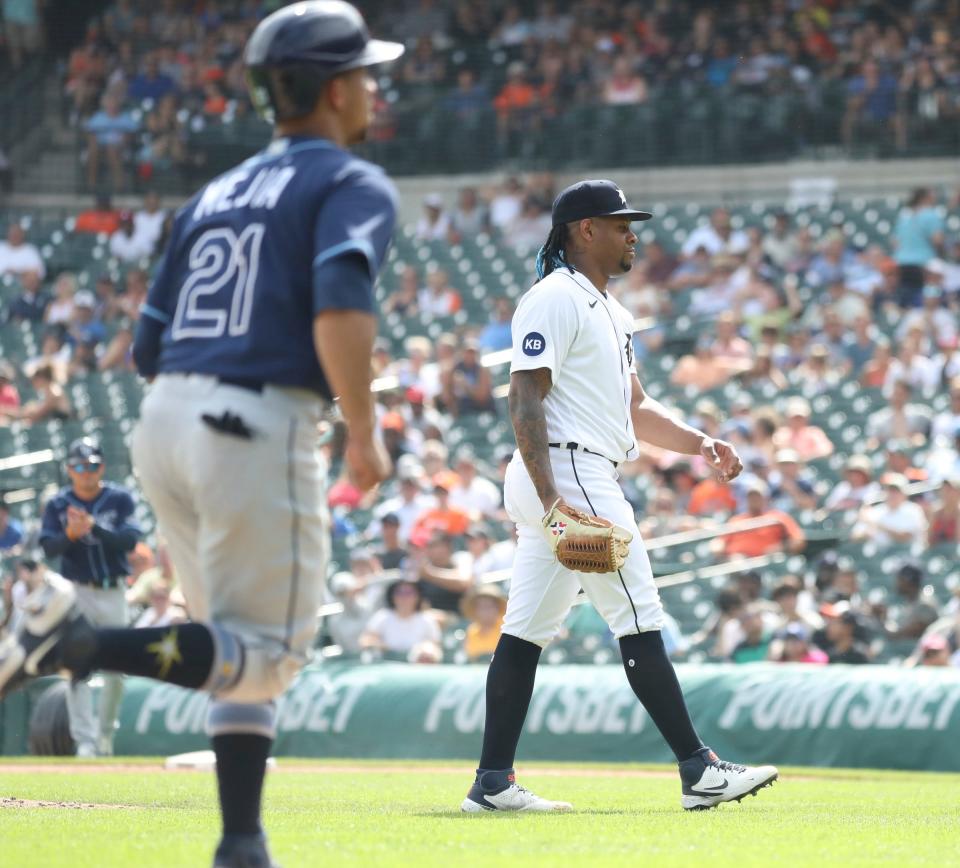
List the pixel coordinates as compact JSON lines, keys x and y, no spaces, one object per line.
{"x":35,"y":657}
{"x":705,"y":791}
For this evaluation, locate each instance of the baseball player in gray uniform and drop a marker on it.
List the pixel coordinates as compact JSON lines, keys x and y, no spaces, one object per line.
{"x":578,"y":408}
{"x":261,"y":311}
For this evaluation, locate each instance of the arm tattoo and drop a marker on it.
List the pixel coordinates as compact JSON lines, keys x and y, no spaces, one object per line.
{"x":527,"y":391}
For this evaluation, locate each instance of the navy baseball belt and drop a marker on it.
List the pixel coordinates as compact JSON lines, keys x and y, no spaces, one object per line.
{"x":108,"y":584}
{"x":576,"y":447}
{"x":243,"y":383}
{"x":251,"y":385}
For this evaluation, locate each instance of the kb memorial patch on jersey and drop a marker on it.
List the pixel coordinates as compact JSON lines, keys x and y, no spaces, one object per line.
{"x":534,"y":344}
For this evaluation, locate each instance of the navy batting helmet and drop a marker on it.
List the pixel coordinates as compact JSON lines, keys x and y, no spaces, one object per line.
{"x":296,"y":49}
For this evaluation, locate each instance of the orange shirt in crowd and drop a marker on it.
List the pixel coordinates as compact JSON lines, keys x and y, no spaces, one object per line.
{"x":96,"y":221}
{"x":761,"y":540}
{"x":452,"y":521}
{"x":480,"y":642}
{"x":874,"y":376}
{"x":515,"y":95}
{"x":215,"y":105}
{"x":709,"y":496}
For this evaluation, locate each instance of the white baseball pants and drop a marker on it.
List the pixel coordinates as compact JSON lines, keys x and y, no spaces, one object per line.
{"x":541,"y":590}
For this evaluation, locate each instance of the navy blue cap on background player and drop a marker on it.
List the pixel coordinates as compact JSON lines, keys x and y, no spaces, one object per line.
{"x":296,"y":49}
{"x":85,"y":450}
{"x":593,"y":198}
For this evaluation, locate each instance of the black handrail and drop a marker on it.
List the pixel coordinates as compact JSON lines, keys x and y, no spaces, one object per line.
{"x":20,"y":107}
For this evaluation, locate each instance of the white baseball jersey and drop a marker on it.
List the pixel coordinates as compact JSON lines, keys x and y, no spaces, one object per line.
{"x":585,"y":338}
{"x":566,"y":324}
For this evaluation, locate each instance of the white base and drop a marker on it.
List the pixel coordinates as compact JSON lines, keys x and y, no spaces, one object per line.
{"x":200,"y":760}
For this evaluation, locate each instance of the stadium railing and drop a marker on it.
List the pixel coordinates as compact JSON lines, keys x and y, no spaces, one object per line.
{"x":706,"y":127}
{"x":18,"y":103}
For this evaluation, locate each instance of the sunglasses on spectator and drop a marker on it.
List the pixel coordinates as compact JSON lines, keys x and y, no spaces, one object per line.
{"x":85,"y":468}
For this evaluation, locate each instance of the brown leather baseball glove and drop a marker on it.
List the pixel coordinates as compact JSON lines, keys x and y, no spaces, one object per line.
{"x":586,"y":543}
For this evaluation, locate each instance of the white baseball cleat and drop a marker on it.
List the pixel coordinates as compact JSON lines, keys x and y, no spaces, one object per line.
{"x":85,"y":750}
{"x":32,"y":650}
{"x":708,"y":780}
{"x":499,"y":791}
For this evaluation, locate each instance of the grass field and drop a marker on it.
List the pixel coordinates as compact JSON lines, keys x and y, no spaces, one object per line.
{"x":339,"y":813}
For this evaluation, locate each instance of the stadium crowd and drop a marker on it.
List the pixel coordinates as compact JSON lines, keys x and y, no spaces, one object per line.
{"x":23,"y":32}
{"x":150,"y":76}
{"x":84,"y":330}
{"x":777,"y":309}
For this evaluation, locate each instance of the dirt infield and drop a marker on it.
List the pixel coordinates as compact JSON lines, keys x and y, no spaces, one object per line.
{"x":331,"y":769}
{"x":79,"y":806}
{"x":463,"y":769}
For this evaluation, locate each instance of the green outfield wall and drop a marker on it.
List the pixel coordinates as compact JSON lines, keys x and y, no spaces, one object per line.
{"x":853,"y":716}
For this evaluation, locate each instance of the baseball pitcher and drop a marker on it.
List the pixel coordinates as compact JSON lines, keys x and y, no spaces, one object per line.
{"x":577,"y":408}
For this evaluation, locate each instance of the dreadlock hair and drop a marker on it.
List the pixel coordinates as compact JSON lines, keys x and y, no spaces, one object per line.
{"x":554,"y":252}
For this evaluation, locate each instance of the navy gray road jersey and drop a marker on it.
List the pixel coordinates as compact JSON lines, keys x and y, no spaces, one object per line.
{"x":238,"y":288}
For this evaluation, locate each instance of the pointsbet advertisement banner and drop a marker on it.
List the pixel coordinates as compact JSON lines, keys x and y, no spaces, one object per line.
{"x":853,"y":716}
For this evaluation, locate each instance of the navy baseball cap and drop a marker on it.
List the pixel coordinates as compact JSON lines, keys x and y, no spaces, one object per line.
{"x":596,"y":198}
{"x":85,"y":449}
{"x":795,"y":631}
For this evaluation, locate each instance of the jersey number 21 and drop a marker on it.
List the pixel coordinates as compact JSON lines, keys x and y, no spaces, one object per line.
{"x":218,"y":296}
